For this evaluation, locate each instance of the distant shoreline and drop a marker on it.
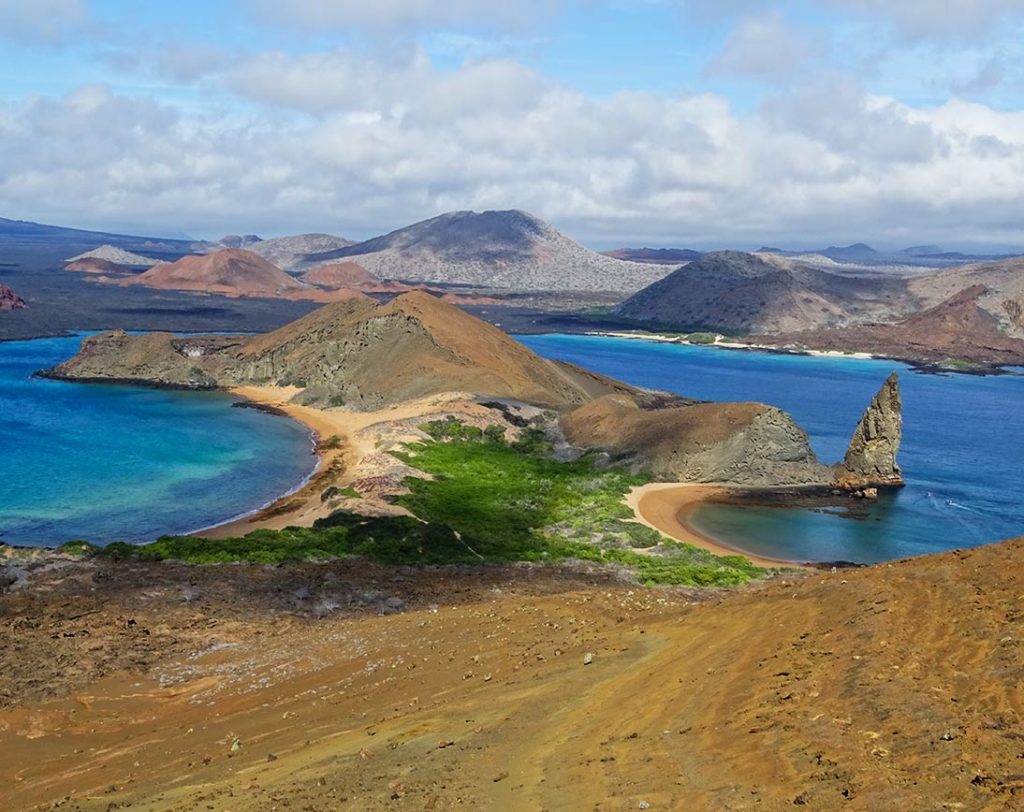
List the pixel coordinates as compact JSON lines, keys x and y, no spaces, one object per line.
{"x":925,"y":367}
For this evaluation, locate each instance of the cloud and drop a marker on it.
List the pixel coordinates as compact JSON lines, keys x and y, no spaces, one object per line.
{"x":764,"y":47}
{"x":40,"y":20}
{"x":393,"y":141}
{"x":953,"y":20}
{"x":320,"y":15}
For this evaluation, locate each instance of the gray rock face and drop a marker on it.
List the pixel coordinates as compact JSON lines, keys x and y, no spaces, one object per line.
{"x":871,"y":457}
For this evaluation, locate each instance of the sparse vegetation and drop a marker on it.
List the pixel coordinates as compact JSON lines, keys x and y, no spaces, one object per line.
{"x":331,"y":443}
{"x":488,"y":500}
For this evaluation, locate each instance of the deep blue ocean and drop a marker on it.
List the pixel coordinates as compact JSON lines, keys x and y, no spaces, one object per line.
{"x":104,"y":462}
{"x":962,"y":454}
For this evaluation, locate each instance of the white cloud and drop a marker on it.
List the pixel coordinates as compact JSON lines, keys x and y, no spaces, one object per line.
{"x":398,"y":141}
{"x":39,"y":20}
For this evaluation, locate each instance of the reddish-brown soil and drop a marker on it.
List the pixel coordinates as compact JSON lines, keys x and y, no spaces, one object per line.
{"x":97,"y":265}
{"x":350,"y":686}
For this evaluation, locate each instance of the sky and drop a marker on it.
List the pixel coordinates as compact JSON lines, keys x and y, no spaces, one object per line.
{"x":687,"y":123}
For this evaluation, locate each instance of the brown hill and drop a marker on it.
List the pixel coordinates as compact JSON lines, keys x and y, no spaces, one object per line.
{"x":734,"y":292}
{"x":956,"y":329}
{"x":358,"y":352}
{"x":1003,"y":297}
{"x":229,"y":272}
{"x":9,"y":300}
{"x":351,"y":276}
{"x":97,"y":265}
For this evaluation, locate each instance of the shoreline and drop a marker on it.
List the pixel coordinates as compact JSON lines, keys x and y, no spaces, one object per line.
{"x":925,"y":367}
{"x":302,"y":502}
{"x":668,"y":506}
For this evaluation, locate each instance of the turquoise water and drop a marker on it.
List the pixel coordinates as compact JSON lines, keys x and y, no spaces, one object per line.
{"x":962,"y":455}
{"x":105,"y":462}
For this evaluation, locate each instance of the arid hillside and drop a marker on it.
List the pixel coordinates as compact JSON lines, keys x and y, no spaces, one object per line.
{"x":358,"y":353}
{"x":763,"y":293}
{"x":958,"y":329}
{"x":350,"y":686}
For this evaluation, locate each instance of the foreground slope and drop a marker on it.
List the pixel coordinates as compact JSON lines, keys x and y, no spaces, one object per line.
{"x":345,"y":686}
{"x":510,"y":250}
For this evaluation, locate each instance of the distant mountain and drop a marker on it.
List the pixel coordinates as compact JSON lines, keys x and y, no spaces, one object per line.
{"x":116,"y":256}
{"x":25,"y":232}
{"x":657,"y":256}
{"x":288,"y":253}
{"x":922,"y":250}
{"x":509,"y":250}
{"x":9,"y":300}
{"x":856,"y":253}
{"x":739,"y":292}
{"x":231,"y":272}
{"x":1001,"y":281}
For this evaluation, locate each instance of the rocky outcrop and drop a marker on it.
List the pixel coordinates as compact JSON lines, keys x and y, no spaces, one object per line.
{"x":871,"y":457}
{"x":9,"y":300}
{"x":742,"y":443}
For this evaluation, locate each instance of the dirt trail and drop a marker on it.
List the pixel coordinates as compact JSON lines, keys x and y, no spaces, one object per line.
{"x":893,"y":687}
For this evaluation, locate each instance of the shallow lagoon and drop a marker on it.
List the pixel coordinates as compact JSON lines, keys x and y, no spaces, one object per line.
{"x":963,"y":450}
{"x":106,"y":462}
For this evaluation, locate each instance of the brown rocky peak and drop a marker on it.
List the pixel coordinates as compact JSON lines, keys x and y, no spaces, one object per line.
{"x":871,"y":457}
{"x":9,"y":300}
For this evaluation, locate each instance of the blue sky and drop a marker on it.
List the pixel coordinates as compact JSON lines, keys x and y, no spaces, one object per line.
{"x":666,"y":122}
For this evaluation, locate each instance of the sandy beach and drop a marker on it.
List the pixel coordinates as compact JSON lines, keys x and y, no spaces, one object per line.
{"x":349,"y":446}
{"x":667,"y":507}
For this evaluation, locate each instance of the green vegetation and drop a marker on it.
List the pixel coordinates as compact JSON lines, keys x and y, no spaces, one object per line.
{"x":961,"y":365}
{"x":488,"y":500}
{"x":330,"y":443}
{"x":702,"y":338}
